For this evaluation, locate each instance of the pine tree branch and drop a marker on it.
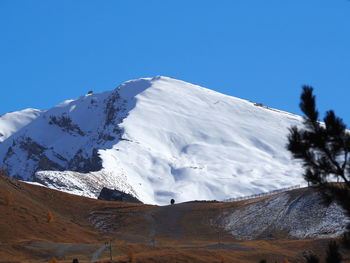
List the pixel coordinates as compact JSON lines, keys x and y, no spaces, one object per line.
{"x":345,"y":160}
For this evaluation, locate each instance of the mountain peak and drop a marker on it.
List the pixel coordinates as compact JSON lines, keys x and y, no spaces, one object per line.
{"x":11,"y":122}
{"x":156,"y":138}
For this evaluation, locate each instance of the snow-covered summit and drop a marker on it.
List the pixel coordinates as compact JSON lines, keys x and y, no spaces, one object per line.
{"x":14,"y":121}
{"x":156,"y":138}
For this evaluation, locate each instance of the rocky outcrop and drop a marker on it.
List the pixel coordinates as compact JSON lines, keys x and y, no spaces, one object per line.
{"x":66,"y":124}
{"x":84,"y":163}
{"x":115,"y":195}
{"x":114,"y":106}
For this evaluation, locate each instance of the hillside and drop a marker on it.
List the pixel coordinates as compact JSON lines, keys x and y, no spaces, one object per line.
{"x":156,"y":138}
{"x":80,"y":226}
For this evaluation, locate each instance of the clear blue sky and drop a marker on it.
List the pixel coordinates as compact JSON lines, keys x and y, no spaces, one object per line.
{"x":260,"y":50}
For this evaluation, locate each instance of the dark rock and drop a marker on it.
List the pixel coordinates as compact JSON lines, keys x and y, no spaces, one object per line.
{"x":84,"y":162}
{"x":33,"y":148}
{"x":115,"y":195}
{"x":106,"y":137}
{"x":66,"y":124}
{"x":115,"y":109}
{"x":10,"y":152}
{"x":47,"y":164}
{"x":110,"y":110}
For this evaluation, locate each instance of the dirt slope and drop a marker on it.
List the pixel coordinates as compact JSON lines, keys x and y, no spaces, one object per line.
{"x":38,"y":224}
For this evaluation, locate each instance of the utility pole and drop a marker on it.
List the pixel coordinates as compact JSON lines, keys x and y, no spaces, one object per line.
{"x":110,"y":249}
{"x":108,"y":244}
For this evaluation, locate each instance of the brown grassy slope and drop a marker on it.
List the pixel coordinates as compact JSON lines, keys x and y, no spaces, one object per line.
{"x":181,"y":233}
{"x":26,"y":216}
{"x":272,"y":251}
{"x":24,"y":210}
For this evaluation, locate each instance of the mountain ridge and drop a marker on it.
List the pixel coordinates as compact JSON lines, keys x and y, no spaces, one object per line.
{"x":11,"y":122}
{"x":156,"y":138}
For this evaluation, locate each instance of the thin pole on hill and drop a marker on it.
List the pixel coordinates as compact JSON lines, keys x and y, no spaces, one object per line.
{"x":110,"y":249}
{"x":108,"y":244}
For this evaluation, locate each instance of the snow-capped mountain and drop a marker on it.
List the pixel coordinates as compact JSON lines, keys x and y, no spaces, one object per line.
{"x":156,"y":138}
{"x":14,"y":121}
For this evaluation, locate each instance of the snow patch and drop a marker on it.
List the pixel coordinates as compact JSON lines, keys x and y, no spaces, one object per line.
{"x":301,"y":216}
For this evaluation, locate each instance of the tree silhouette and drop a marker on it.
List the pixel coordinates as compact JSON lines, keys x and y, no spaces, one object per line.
{"x":324,"y":151}
{"x":333,"y":255}
{"x":312,"y":259}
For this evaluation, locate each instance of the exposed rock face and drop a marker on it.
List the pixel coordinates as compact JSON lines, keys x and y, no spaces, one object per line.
{"x":62,"y":141}
{"x":84,"y":164}
{"x":65,"y":123}
{"x":115,"y":195}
